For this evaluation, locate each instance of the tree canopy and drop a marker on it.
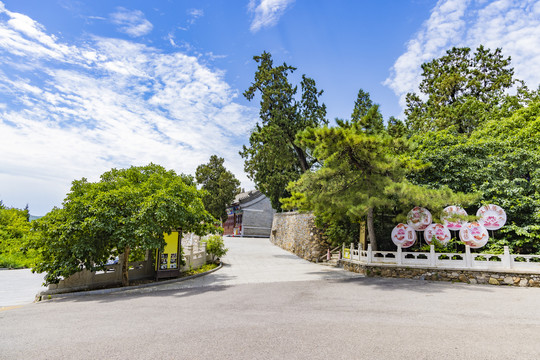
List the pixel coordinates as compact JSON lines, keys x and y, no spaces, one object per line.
{"x":362,"y":170}
{"x":475,"y":136}
{"x":14,"y":237}
{"x":501,"y":161}
{"x":220,"y":184}
{"x":127,"y":209}
{"x":273,"y":158}
{"x":463,"y":90}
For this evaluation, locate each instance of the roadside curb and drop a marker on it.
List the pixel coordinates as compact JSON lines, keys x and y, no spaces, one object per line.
{"x":43,"y":296}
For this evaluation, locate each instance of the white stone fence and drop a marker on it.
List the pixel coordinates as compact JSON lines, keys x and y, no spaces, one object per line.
{"x":194,"y":257}
{"x":432,"y":259}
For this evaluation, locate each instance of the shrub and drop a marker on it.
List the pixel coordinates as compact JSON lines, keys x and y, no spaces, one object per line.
{"x":215,"y":247}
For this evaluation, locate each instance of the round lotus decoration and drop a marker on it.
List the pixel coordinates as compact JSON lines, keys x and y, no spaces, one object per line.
{"x":474,"y":234}
{"x":437,"y":231}
{"x":491,"y":216}
{"x":403,"y":235}
{"x":419,"y":218}
{"x":447,"y":215}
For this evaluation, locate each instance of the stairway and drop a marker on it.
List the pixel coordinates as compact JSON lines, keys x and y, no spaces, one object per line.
{"x":333,"y":262}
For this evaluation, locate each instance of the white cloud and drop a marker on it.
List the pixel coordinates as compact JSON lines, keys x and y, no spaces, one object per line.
{"x":267,"y":12}
{"x":71,"y":111}
{"x":513,"y":25}
{"x":131,"y":22}
{"x":194,"y":14}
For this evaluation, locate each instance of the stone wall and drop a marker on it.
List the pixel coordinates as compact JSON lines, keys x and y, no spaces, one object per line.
{"x":516,"y":278}
{"x":297,"y":233}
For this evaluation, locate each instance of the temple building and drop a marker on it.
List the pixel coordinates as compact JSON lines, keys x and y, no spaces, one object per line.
{"x":250,"y":215}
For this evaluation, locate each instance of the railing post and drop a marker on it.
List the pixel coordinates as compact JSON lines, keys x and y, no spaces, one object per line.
{"x":190,"y":255}
{"x":369,"y":254}
{"x":342,"y":251}
{"x":507,"y":259}
{"x":432,"y":256}
{"x":328,"y":255}
{"x":468,"y":256}
{"x":399,"y":255}
{"x":351,"y":251}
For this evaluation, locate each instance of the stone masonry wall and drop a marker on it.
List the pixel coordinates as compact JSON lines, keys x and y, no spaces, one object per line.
{"x":297,"y":233}
{"x":453,"y":275}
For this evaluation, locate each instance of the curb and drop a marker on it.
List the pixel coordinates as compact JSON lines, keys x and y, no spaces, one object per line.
{"x":44,"y":297}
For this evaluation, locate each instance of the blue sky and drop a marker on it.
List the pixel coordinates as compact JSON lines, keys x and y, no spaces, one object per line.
{"x":90,"y":85}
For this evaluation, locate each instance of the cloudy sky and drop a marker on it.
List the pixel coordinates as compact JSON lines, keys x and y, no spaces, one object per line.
{"x":90,"y":85}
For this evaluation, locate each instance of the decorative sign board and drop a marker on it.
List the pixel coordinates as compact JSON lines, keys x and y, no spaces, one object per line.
{"x":474,"y":234}
{"x":403,"y":235}
{"x":439,"y":231}
{"x":491,"y":216}
{"x":448,"y":212}
{"x":419,"y":218}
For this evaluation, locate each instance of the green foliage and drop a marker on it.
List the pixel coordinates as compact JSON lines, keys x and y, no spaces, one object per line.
{"x":126,"y":209}
{"x":215,"y":246}
{"x":362,"y":171}
{"x":338,"y":229}
{"x":273,"y":158}
{"x":14,"y":238}
{"x":220,"y":184}
{"x":463,"y":90}
{"x":501,"y":160}
{"x":201,"y":269}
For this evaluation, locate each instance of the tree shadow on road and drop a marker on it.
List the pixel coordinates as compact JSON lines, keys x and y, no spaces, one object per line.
{"x":209,"y":283}
{"x":417,"y":285}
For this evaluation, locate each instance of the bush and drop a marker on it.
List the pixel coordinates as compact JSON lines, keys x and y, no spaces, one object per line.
{"x":215,"y":247}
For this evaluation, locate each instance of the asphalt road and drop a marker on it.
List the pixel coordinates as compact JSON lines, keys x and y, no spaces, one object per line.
{"x":18,"y":287}
{"x":332,"y":315}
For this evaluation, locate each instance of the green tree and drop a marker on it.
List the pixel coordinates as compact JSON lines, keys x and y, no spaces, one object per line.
{"x":501,"y":160}
{"x":365,"y":116}
{"x":273,"y":158}
{"x":463,"y":90}
{"x":220,"y":184}
{"x":127,"y":209}
{"x":396,"y":127}
{"x":14,"y":237}
{"x":361,"y":172}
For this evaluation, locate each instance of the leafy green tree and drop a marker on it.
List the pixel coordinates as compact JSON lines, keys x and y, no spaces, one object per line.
{"x":273,"y":158}
{"x":361,"y":106}
{"x":361,"y":172}
{"x":127,"y":209}
{"x":463,"y":90}
{"x":501,"y":160}
{"x":14,"y":236}
{"x":396,"y":127}
{"x":365,"y":116}
{"x":220,"y":184}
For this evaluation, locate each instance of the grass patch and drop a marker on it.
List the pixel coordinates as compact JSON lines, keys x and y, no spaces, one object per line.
{"x":200,"y":270}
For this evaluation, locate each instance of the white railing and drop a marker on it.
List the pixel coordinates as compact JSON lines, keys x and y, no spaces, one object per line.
{"x":194,"y":255}
{"x":467,"y":260}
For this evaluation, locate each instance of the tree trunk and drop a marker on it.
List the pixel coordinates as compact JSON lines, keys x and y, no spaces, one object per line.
{"x":371,"y":229}
{"x":302,"y":158}
{"x":125,"y":267}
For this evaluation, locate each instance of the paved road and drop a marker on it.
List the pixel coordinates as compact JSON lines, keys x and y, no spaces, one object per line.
{"x":311,"y":313}
{"x":18,"y":287}
{"x":255,"y":260}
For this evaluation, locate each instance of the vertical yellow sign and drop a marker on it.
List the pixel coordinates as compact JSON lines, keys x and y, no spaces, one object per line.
{"x":168,"y":258}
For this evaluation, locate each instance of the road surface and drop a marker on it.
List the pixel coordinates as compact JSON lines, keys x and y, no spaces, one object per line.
{"x":268,"y":304}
